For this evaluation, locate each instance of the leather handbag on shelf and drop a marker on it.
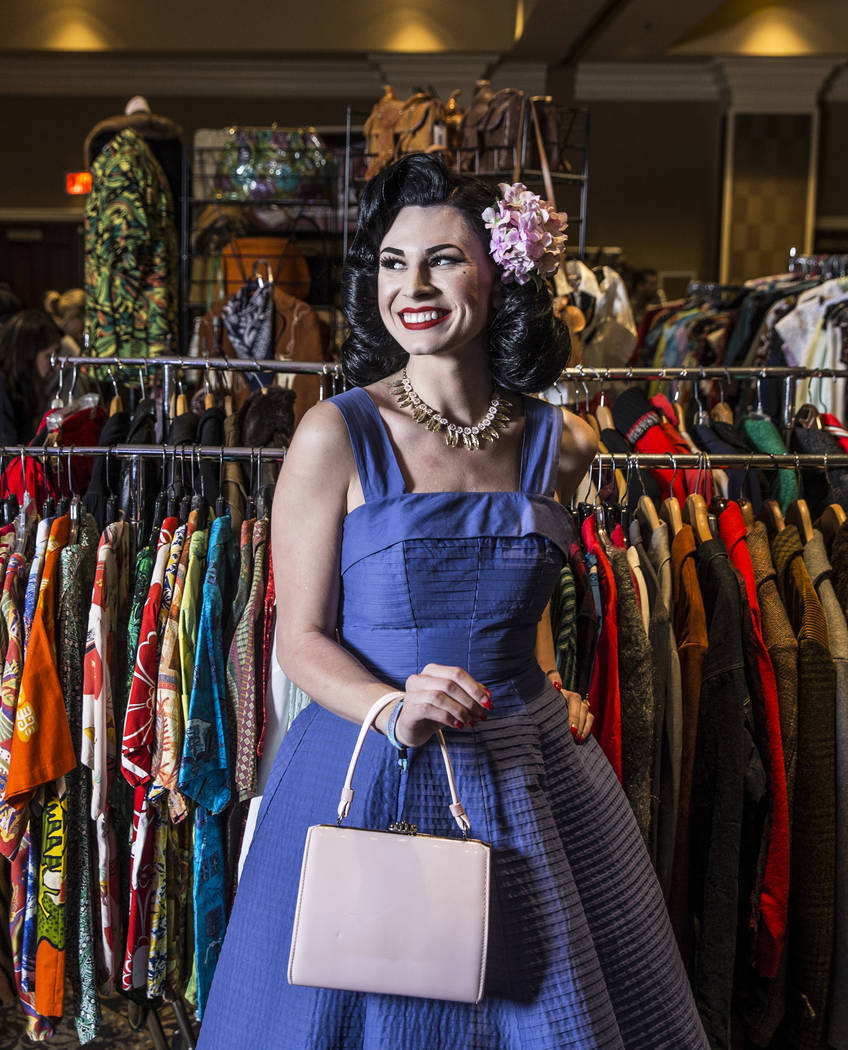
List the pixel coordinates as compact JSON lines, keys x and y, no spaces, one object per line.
{"x":417,"y":127}
{"x":392,"y":912}
{"x":501,"y":131}
{"x":469,"y":133}
{"x":546,"y":114}
{"x":380,"y":132}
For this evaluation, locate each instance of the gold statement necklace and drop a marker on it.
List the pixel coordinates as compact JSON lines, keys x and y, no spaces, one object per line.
{"x":496,"y":418}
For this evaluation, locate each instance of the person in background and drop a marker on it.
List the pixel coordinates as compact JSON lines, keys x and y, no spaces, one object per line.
{"x":27,"y":343}
{"x":68,"y":311}
{"x":10,"y":304}
{"x":645,"y":292}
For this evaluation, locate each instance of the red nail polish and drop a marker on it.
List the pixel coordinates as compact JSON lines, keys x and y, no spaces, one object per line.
{"x":558,"y":686}
{"x":488,"y":693}
{"x":574,"y":732}
{"x":457,"y":725}
{"x":488,"y":705}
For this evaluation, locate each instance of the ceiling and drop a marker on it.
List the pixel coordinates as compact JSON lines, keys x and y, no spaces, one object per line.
{"x":556,"y":32}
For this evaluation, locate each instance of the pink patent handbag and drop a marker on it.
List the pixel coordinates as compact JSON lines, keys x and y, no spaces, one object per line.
{"x":393,"y":912}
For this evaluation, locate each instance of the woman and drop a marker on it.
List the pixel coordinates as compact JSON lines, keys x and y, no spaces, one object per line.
{"x":68,"y":311}
{"x":407,"y":557}
{"x":27,"y":343}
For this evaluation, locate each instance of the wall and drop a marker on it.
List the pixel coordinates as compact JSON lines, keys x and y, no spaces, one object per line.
{"x":654,"y":187}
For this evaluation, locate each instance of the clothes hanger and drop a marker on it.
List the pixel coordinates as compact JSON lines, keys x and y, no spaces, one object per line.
{"x":250,"y":502}
{"x":721,"y":412}
{"x":220,"y":503}
{"x":670,"y":508}
{"x":208,"y":397}
{"x":772,"y":517}
{"x":798,"y":513}
{"x":832,"y":519}
{"x":159,"y":505}
{"x":75,"y":505}
{"x":199,"y":502}
{"x":182,"y":401}
{"x":695,"y":511}
{"x":116,"y":405}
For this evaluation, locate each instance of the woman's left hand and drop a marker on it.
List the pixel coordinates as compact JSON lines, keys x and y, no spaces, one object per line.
{"x":580,"y":718}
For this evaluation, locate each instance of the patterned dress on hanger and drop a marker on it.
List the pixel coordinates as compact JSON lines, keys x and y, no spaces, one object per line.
{"x":581,"y":953}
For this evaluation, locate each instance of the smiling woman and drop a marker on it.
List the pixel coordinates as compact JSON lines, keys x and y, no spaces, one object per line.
{"x":410,"y":564}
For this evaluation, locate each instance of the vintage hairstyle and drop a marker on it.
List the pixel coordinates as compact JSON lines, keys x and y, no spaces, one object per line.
{"x":528,"y":346}
{"x":65,"y":305}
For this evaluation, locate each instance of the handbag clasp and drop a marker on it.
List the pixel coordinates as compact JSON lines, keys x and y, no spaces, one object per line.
{"x":402,"y":827}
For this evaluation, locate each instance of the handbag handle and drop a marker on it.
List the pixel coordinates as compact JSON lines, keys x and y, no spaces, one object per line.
{"x":456,"y":808}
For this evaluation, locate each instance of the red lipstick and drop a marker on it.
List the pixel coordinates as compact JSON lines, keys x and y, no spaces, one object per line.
{"x":426,"y":311}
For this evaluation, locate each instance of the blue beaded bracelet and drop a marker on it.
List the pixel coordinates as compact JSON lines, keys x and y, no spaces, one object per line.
{"x":403,"y":756}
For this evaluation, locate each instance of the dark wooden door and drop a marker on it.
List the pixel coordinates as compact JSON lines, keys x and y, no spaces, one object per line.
{"x":37,"y":257}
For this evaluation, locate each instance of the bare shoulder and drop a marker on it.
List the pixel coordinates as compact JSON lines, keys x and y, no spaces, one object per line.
{"x":321,"y":445}
{"x":578,"y":447}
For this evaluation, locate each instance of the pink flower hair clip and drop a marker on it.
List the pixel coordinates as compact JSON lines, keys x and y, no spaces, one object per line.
{"x":528,"y":236}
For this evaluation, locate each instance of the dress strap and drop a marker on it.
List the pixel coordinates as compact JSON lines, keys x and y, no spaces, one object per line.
{"x":540,"y":449}
{"x":376,"y":462}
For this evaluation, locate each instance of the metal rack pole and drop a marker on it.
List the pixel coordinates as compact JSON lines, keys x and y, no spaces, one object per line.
{"x":225,"y":364}
{"x":784,"y":461}
{"x":583,"y":373}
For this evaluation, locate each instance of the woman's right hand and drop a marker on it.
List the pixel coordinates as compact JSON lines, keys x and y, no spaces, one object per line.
{"x":437,"y":697}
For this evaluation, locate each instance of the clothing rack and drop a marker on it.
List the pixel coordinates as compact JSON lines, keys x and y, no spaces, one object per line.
{"x":608,"y":459}
{"x":224,"y":364}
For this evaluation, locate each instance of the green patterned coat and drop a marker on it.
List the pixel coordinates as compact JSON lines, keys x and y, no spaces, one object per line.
{"x":130,"y":252}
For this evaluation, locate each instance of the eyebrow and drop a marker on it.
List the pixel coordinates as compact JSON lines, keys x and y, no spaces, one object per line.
{"x":427,"y":251}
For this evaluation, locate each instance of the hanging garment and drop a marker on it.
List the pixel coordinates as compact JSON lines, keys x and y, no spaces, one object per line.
{"x":588,"y":623}
{"x":815,"y":559}
{"x":13,"y":817}
{"x":718,"y":786}
{"x":763,"y":436}
{"x":773,"y":892}
{"x":233,"y":488}
{"x":106,"y":472}
{"x":130,"y":253}
{"x":269,"y":629}
{"x":34,"y":576}
{"x":77,"y":566}
{"x":167,"y":747}
{"x":101,"y":677}
{"x":38,"y":1027}
{"x":637,"y":698}
{"x":813,"y":860}
{"x":565,"y":984}
{"x":136,"y":764}
{"x":205,"y":771}
{"x":640,"y":423}
{"x":170,"y":728}
{"x":41,"y":747}
{"x":765,"y":1002}
{"x":564,"y":628}
{"x":604,"y":692}
{"x":42,"y":752}
{"x":690,"y":630}
{"x":665,"y":775}
{"x":247,"y":642}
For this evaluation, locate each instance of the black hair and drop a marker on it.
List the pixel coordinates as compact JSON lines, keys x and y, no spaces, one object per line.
{"x":21,"y":341}
{"x":528,"y":346}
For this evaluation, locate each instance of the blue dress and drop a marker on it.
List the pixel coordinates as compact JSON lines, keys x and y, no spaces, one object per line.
{"x":581,"y":953}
